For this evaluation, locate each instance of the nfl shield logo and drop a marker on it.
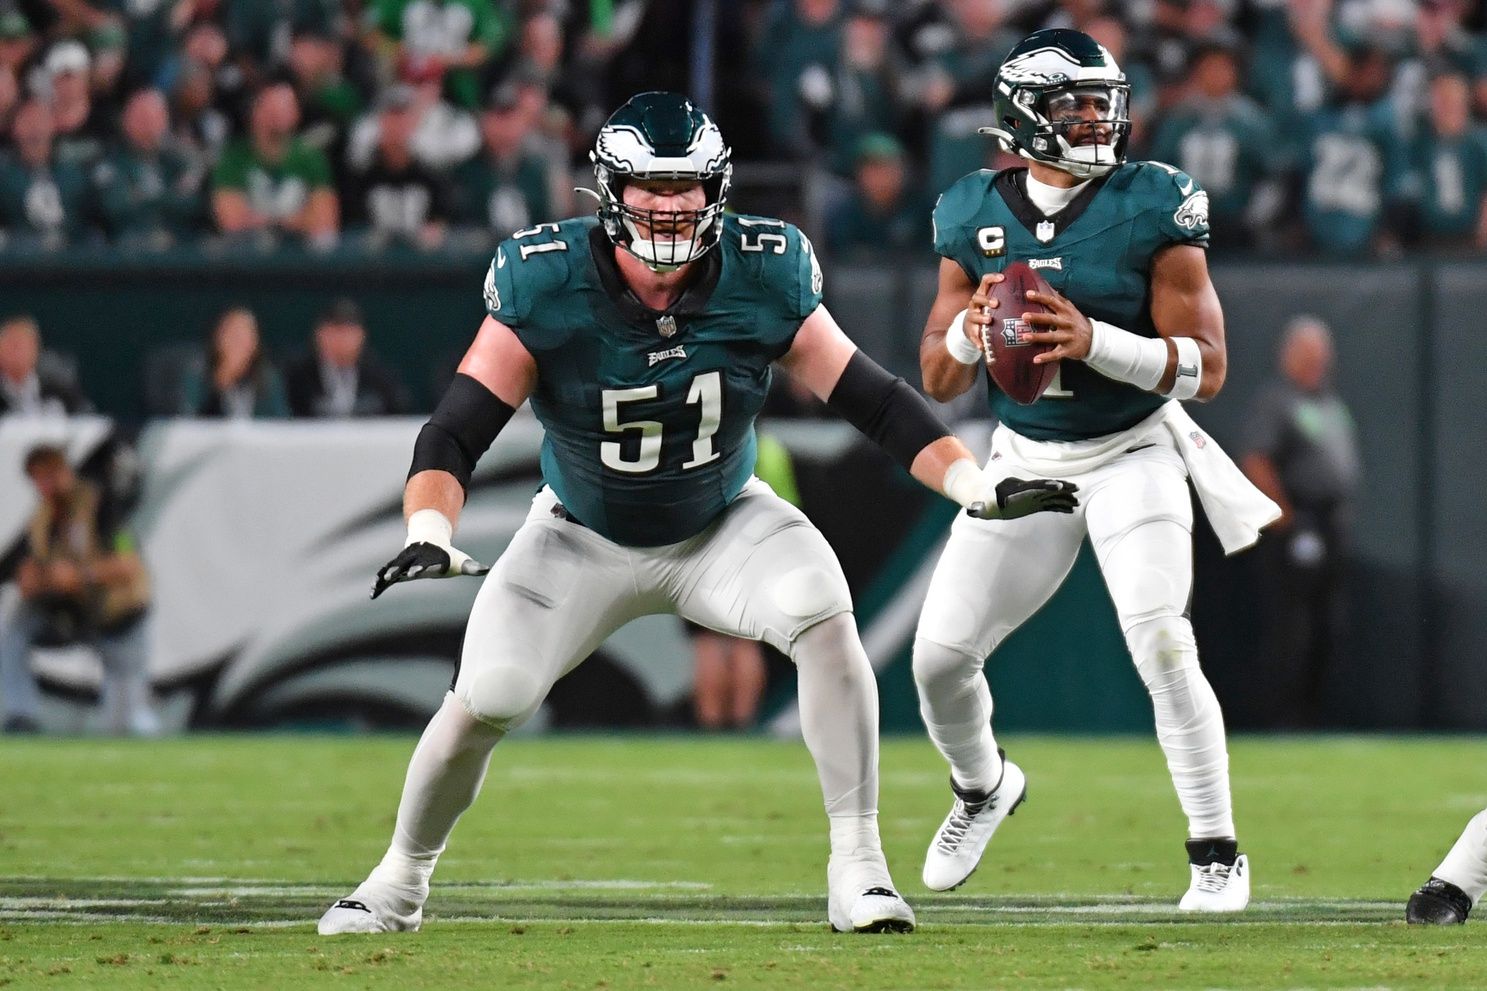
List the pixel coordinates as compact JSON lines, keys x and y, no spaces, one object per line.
{"x":666,"y":325}
{"x":1198,"y":440}
{"x":1045,"y":231}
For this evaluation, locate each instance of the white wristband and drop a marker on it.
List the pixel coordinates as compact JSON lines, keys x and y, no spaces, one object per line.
{"x":1189,"y":369}
{"x":431,"y":527}
{"x":964,"y":482}
{"x":961,"y":347}
{"x":1126,"y":357}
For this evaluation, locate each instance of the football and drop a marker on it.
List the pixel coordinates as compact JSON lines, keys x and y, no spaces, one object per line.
{"x":1009,"y":352}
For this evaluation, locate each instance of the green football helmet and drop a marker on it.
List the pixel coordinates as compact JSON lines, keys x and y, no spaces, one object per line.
{"x":1053,"y":82}
{"x":661,"y":136}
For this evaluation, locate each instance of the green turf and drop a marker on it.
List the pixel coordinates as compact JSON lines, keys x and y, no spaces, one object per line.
{"x":678,"y":862}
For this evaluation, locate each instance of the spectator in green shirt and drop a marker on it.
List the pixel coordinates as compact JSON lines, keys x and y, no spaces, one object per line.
{"x":1448,"y":181}
{"x":954,"y":89}
{"x":1225,"y":141}
{"x":149,"y":193}
{"x":272,"y":181}
{"x":882,"y":216}
{"x":449,"y":38}
{"x":43,"y":201}
{"x":797,"y":55}
{"x":506,"y":187}
{"x":866,"y":82}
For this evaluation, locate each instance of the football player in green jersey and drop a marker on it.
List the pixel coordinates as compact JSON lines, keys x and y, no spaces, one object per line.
{"x":644,"y":339}
{"x":1135,"y":324}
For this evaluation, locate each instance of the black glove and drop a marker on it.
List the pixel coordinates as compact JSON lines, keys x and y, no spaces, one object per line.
{"x":424,"y":560}
{"x":1018,"y":497}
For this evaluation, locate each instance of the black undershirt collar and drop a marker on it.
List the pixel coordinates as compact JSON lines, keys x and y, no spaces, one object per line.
{"x":692,"y":302}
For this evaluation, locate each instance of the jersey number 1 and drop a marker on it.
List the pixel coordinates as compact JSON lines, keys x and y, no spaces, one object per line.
{"x":706,"y":390}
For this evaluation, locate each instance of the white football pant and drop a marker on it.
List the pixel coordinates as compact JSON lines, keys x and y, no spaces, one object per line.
{"x":1466,"y":865}
{"x":1137,"y":511}
{"x":762,"y":571}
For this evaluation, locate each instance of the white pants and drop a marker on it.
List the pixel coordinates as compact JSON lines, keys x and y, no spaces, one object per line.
{"x":1135,"y":507}
{"x":1466,"y":864}
{"x":762,"y":572}
{"x":995,"y":574}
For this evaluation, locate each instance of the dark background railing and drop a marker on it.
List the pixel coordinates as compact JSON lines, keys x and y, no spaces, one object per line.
{"x":1411,"y":350}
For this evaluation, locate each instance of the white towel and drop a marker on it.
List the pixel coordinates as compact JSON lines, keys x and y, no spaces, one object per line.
{"x":1236,"y":509}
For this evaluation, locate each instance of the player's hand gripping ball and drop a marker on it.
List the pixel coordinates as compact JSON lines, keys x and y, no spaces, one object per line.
{"x":1004,"y":332}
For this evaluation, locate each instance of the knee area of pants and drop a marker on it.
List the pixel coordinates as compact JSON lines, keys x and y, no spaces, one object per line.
{"x":833,"y":641}
{"x":934,"y":663}
{"x":1162,"y":645}
{"x":502,"y":696}
{"x":807,"y":591}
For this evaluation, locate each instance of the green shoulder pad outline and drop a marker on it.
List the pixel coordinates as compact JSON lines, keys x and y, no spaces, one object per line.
{"x":811,"y":282}
{"x":954,"y":216}
{"x":529,"y":264}
{"x":1181,"y":205}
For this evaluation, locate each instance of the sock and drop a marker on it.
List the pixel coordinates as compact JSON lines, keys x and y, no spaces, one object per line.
{"x":1190,"y":725}
{"x":839,"y":720}
{"x":1466,"y":865}
{"x":443,"y":778}
{"x":955,"y":704}
{"x":1202,"y":852}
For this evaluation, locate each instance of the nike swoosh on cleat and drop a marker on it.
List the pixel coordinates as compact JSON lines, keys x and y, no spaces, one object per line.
{"x":349,"y":903}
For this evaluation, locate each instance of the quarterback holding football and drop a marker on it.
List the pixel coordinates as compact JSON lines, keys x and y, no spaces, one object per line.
{"x":1134,"y":326}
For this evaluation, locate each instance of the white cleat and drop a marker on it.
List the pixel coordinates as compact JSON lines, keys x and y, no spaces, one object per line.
{"x":363,"y":911}
{"x":956,"y":850}
{"x":861,"y":898}
{"x":1218,"y":887}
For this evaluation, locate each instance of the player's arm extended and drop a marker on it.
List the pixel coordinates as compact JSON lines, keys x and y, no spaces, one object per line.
{"x":495,"y":377}
{"x":896,"y":418}
{"x":947,"y":373}
{"x":1187,"y":361}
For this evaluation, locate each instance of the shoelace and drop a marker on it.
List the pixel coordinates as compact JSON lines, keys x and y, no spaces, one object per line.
{"x":1213,"y":878}
{"x":962,"y":817}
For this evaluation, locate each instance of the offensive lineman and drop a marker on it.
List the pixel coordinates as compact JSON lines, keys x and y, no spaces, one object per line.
{"x":644,"y":340}
{"x":1458,"y":883}
{"x":1137,"y":323}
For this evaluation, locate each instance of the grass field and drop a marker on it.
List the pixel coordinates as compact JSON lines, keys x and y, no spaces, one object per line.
{"x":599,"y":863}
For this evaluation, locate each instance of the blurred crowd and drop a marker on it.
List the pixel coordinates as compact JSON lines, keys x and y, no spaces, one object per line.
{"x":1346,"y":127}
{"x":231,"y":376}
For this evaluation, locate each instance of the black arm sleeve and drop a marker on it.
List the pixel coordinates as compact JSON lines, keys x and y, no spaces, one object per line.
{"x":467,"y":419}
{"x":886,"y":409}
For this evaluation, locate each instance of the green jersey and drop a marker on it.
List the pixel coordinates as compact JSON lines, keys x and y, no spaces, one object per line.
{"x":1097,"y":251}
{"x":503,"y":196}
{"x":275,"y":189}
{"x":1450,"y":182}
{"x":1230,"y":147}
{"x":1353,"y":158}
{"x":649,"y":416}
{"x":51,"y":202}
{"x":144,"y":195}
